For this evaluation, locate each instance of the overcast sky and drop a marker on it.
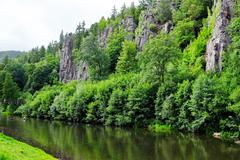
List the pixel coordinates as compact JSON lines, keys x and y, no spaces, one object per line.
{"x":25,"y":24}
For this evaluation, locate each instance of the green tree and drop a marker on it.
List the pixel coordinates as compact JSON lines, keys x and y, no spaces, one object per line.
{"x":163,"y":11}
{"x":184,"y":33}
{"x":80,"y":33}
{"x":18,"y":73}
{"x":193,"y":9}
{"x":114,"y":13}
{"x":158,"y":53}
{"x":91,"y":53}
{"x":10,"y":91}
{"x":114,"y":47}
{"x":102,"y":24}
{"x":127,"y":61}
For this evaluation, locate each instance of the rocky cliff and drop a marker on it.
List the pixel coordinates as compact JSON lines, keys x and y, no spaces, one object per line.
{"x":220,"y":38}
{"x":149,"y":27}
{"x":67,"y":67}
{"x":103,"y":36}
{"x":130,"y":27}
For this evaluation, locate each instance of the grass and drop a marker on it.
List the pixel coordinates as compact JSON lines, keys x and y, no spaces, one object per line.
{"x":160,"y":128}
{"x":11,"y":149}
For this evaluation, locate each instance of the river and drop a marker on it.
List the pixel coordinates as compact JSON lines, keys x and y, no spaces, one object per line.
{"x":69,"y":141}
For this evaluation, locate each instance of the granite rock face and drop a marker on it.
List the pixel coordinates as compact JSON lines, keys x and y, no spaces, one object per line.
{"x":130,"y":27}
{"x":220,"y":38}
{"x":149,"y":27}
{"x":67,"y":67}
{"x":146,"y":29}
{"x":103,"y":36}
{"x":83,"y":71}
{"x":68,"y":70}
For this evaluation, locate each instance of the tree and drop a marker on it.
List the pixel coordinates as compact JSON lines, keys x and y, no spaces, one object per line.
{"x":146,"y":3}
{"x":192,"y":9}
{"x":184,"y":33}
{"x":102,"y":24}
{"x":158,"y":53}
{"x":79,"y":34}
{"x":114,"y":13}
{"x":10,"y":91}
{"x":91,"y":53}
{"x":61,"y":40}
{"x":17,"y":71}
{"x":163,"y":11}
{"x":53,"y":47}
{"x":126,"y":60}
{"x":123,"y":10}
{"x":114,"y":47}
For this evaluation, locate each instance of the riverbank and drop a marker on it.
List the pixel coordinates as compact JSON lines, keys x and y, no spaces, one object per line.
{"x":11,"y":149}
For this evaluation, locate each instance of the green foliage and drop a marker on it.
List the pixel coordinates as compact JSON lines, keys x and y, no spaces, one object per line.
{"x":102,"y":24}
{"x":192,"y":9}
{"x":165,"y":84}
{"x":79,"y":35}
{"x":127,"y":61}
{"x":184,"y":32}
{"x":114,"y":47}
{"x":116,"y":110}
{"x":94,"y":56}
{"x":43,"y":72}
{"x":9,"y":92}
{"x":159,"y":128}
{"x":39,"y":104}
{"x":59,"y":107}
{"x":140,"y":106}
{"x":158,"y":53}
{"x":163,"y":11}
{"x":208,"y":103}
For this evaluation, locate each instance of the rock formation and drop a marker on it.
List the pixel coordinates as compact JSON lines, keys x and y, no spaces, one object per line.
{"x":103,"y":36}
{"x":220,"y":38}
{"x":67,"y":67}
{"x":149,"y":27}
{"x":83,"y":71}
{"x":130,"y":27}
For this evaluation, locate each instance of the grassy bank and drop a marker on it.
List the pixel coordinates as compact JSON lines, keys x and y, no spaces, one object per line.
{"x":11,"y":149}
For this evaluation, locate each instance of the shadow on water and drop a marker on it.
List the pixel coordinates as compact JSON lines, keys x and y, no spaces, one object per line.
{"x":83,"y":142}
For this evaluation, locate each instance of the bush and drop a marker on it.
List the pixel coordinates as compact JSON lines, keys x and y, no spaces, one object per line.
{"x":116,"y":110}
{"x":140,"y":103}
{"x":159,"y":128}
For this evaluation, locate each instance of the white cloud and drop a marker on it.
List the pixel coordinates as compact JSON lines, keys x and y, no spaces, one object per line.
{"x":25,"y":24}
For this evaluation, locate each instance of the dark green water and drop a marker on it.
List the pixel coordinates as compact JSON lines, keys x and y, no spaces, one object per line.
{"x":83,"y":142}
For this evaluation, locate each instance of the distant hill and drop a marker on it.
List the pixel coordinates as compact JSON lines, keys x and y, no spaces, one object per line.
{"x":10,"y":54}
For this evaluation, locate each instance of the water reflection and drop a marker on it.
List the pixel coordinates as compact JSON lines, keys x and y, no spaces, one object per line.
{"x":83,"y":142}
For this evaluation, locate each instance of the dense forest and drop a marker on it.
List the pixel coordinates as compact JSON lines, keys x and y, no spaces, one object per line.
{"x":147,"y":65}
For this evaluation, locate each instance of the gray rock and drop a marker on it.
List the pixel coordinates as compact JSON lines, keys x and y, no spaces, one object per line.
{"x":67,"y":67}
{"x":83,"y":71}
{"x":130,"y":27}
{"x":168,"y":26}
{"x":149,"y":27}
{"x":146,"y":31}
{"x":220,"y":38}
{"x":103,"y":36}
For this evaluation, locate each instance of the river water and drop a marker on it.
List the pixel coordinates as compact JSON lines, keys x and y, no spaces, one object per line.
{"x":69,"y":141}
